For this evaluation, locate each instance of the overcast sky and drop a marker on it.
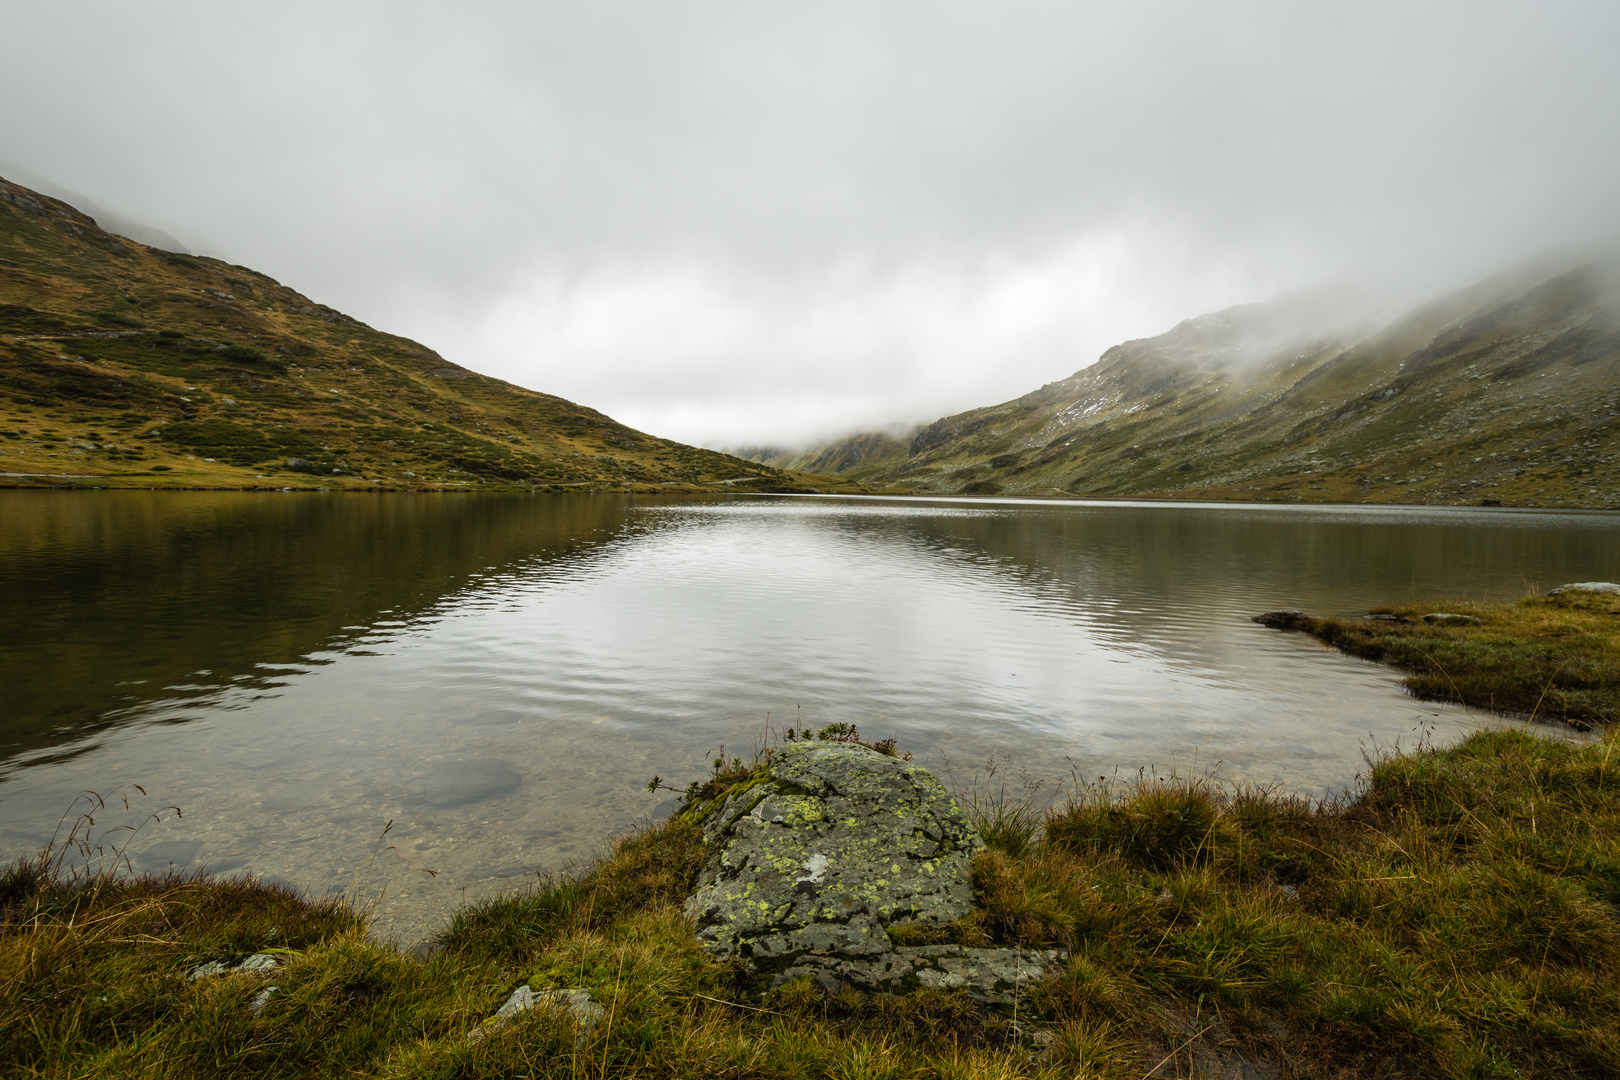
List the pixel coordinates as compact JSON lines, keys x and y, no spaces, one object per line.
{"x":757,"y":222}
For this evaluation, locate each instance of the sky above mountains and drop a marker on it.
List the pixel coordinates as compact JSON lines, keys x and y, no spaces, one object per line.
{"x":739,"y":223}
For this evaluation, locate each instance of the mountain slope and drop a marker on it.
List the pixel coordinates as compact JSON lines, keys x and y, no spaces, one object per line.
{"x":1507,"y":391}
{"x":847,"y":455}
{"x":126,"y":365}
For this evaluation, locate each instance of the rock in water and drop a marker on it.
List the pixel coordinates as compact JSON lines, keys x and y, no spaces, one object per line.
{"x":812,"y":860}
{"x":1286,"y":619}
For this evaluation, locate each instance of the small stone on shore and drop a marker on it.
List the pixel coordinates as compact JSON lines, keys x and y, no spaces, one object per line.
{"x":576,"y":1002}
{"x":256,"y":962}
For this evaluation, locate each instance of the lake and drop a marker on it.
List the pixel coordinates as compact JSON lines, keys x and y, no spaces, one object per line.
{"x":500,"y":676}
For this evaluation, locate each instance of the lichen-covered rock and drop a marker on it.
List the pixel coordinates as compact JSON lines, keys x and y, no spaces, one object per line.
{"x":258,"y":962}
{"x":993,"y":975}
{"x":1586,"y":586}
{"x":576,"y":1002}
{"x":813,"y":859}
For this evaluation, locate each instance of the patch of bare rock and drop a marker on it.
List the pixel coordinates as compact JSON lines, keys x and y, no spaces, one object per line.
{"x":813,"y":862}
{"x":1587,"y":586}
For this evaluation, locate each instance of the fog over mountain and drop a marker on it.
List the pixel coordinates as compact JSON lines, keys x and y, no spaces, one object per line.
{"x":735,"y":223}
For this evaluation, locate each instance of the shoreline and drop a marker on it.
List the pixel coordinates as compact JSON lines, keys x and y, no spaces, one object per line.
{"x":1542,"y":658}
{"x":829,"y":487}
{"x":1455,"y":915}
{"x":1213,"y":930}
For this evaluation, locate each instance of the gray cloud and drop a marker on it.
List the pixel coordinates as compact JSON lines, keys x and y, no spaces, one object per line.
{"x":744,"y":222}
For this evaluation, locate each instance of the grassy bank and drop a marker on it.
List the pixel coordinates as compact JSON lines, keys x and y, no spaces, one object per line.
{"x":1457,"y":918}
{"x":1547,"y":657}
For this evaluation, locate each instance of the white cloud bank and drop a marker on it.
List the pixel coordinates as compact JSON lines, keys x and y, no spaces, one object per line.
{"x":709,"y":354}
{"x":727,"y":221}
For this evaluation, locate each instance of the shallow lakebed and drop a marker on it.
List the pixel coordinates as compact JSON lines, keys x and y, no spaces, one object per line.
{"x":499,"y":676}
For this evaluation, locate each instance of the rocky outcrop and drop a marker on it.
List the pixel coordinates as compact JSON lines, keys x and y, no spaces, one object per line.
{"x":1587,"y":586}
{"x":813,"y":860}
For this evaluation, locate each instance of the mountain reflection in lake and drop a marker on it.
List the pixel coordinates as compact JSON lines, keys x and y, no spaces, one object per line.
{"x":500,"y":675}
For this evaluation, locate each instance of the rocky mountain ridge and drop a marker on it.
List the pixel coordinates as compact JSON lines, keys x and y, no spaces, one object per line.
{"x":1505,"y":392}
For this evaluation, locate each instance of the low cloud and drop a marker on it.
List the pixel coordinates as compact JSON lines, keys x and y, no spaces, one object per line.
{"x":704,"y":353}
{"x":731,"y":222}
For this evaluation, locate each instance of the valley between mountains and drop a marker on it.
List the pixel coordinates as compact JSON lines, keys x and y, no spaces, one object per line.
{"x":123,"y":365}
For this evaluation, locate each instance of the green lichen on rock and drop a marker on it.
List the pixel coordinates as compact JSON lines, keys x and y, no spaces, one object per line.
{"x":828,"y":845}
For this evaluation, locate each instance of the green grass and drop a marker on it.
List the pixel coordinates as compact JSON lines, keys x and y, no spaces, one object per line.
{"x":1552,"y":658}
{"x":1458,"y":918}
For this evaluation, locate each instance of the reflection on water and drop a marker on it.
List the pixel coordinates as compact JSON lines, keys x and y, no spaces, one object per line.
{"x":117,"y":600}
{"x":500,"y":675}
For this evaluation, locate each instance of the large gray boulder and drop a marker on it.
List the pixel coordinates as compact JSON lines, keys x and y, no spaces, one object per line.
{"x":1587,"y":586}
{"x":816,"y":857}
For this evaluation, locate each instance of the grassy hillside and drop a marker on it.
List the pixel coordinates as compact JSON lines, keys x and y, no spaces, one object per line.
{"x":1508,"y":391}
{"x":124,"y":365}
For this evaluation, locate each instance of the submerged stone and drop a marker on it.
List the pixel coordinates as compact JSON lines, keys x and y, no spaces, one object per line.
{"x":466,"y":780}
{"x":813,"y":860}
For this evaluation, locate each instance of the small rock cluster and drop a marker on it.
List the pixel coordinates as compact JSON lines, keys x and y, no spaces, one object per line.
{"x":577,"y":1003}
{"x":256,"y":964}
{"x":813,"y":859}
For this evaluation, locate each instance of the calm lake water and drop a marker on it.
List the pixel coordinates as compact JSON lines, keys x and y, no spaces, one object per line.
{"x":500,"y":676}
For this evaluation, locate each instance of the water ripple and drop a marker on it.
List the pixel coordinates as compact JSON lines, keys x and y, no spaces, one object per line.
{"x":529,"y":663}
